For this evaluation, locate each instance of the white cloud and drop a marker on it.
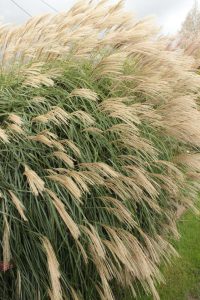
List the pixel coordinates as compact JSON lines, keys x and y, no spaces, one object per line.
{"x":170,"y":14}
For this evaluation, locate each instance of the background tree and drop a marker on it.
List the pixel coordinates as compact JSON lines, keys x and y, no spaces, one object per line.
{"x":188,"y":37}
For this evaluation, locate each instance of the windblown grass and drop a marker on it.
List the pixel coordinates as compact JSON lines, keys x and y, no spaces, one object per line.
{"x":99,"y":137}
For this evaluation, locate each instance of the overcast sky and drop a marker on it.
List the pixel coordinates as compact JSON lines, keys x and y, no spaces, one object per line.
{"x":169,"y":13}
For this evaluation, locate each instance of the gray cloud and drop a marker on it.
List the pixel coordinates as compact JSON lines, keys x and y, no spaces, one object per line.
{"x":170,"y":14}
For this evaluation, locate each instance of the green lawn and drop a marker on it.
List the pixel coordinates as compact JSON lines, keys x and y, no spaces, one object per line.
{"x":183,"y":276}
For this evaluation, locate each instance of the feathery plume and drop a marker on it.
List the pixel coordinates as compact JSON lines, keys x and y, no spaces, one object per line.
{"x":6,"y":242}
{"x":69,"y":184}
{"x":53,"y":267}
{"x":71,"y":225}
{"x":64,"y":157}
{"x":3,"y":136}
{"x":84,"y":93}
{"x":15,"y":119}
{"x":35,"y":182}
{"x":18,"y":204}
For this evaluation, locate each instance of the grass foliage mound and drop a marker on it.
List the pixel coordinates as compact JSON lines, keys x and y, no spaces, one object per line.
{"x":99,"y":131}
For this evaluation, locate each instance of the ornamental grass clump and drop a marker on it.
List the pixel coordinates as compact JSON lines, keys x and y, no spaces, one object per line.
{"x":99,"y":137}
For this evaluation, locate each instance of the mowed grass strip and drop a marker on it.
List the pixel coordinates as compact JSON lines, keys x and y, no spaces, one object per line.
{"x":183,"y":275}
